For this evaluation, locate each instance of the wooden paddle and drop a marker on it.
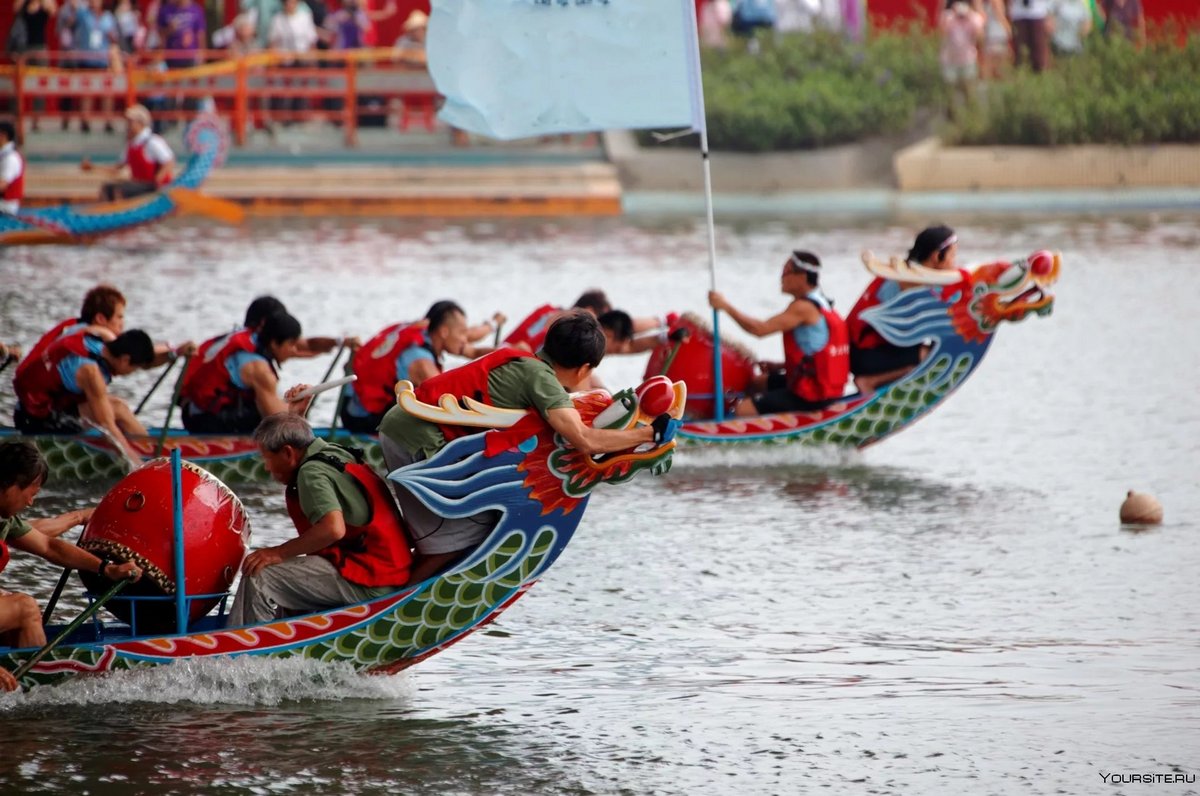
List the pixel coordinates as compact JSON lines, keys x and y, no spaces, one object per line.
{"x":315,"y":389}
{"x":24,"y":668}
{"x":200,"y":204}
{"x":153,"y":388}
{"x":162,"y":436}
{"x":329,"y":372}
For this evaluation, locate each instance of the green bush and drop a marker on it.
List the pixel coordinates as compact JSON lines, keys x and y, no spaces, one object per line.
{"x":1111,"y":94}
{"x":815,"y":90}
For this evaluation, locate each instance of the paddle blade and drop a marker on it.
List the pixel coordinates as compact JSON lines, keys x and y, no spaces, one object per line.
{"x":190,"y":201}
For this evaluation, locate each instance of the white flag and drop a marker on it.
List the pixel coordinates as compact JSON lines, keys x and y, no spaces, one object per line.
{"x":518,"y":68}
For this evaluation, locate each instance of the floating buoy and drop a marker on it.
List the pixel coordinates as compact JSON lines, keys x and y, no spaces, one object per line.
{"x":1140,"y":508}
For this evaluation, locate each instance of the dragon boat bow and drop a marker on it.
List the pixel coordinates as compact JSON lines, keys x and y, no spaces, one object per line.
{"x":956,"y":313}
{"x":539,"y":487}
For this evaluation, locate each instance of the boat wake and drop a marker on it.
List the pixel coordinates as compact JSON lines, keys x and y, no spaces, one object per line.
{"x":247,"y":680}
{"x":744,"y":456}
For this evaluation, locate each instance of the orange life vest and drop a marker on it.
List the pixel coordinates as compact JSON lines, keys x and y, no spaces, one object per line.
{"x":532,"y":331}
{"x":375,"y":364}
{"x":207,"y":384}
{"x":38,"y":384}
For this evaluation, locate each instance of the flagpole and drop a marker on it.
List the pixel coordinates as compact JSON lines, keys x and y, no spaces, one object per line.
{"x":701,"y":124}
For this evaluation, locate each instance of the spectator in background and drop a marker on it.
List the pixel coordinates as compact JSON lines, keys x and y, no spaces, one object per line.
{"x":12,"y":177}
{"x":131,"y":34}
{"x":239,"y":37}
{"x":348,"y":26}
{"x":996,"y":53}
{"x":292,"y":29}
{"x":34,"y":17}
{"x":1126,"y":18}
{"x":962,"y":28}
{"x":387,"y":11}
{"x":750,"y":16}
{"x":715,"y":16}
{"x":1031,"y":32}
{"x":1072,"y":22}
{"x":264,"y":12}
{"x":93,"y":31}
{"x":183,"y":32}
{"x":412,"y":40}
{"x":797,"y":16}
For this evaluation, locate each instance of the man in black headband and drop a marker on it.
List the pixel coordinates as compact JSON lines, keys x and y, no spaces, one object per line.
{"x":873,"y":360}
{"x":815,"y":346}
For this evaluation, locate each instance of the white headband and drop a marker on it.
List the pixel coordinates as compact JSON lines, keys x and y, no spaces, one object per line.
{"x":804,"y":266}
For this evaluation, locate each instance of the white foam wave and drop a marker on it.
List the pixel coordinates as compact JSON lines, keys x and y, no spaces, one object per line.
{"x":248,"y":680}
{"x":764,"y":455}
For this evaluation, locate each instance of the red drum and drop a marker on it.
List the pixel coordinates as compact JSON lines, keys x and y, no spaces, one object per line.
{"x":692,"y":363}
{"x":135,"y":521}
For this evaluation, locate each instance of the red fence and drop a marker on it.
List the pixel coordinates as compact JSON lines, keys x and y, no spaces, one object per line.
{"x":254,"y":90}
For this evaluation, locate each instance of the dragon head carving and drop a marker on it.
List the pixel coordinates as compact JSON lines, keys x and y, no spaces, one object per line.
{"x":967,"y":305}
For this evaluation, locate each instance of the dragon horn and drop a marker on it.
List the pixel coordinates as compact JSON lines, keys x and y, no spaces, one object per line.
{"x":903,"y":271}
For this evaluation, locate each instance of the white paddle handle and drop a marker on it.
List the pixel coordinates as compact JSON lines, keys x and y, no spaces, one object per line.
{"x":308,"y":392}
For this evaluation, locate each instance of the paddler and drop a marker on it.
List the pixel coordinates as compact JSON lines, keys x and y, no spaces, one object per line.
{"x":873,"y":360}
{"x":233,"y":383}
{"x":68,"y":385}
{"x":815,"y":349}
{"x":350,"y":544}
{"x":411,"y":351}
{"x":509,"y":378}
{"x":23,"y":472}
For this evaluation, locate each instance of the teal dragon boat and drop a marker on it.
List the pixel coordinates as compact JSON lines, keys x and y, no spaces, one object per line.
{"x":540,"y":488}
{"x":956,"y":313}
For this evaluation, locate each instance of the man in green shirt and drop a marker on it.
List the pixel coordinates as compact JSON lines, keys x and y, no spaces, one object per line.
{"x":506,"y":379}
{"x":350,"y":546}
{"x":23,"y":472}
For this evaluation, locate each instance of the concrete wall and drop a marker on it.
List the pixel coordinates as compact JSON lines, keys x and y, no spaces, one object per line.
{"x":865,"y":165}
{"x":929,"y":166}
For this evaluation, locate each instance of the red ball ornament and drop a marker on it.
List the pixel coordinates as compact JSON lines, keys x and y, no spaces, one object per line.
{"x":655,"y":395}
{"x":1041,"y":263}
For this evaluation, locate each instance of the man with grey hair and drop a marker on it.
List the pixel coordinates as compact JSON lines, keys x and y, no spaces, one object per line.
{"x":351,"y":544}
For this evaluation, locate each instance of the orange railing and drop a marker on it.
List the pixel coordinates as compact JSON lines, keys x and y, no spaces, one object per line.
{"x":258,"y":89}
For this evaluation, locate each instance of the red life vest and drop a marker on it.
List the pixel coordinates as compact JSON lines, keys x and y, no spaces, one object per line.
{"x":66,"y":327}
{"x":375,"y":364}
{"x":820,"y":376}
{"x":15,"y":190}
{"x":141,"y":167}
{"x":532,"y":331}
{"x":3,"y":555}
{"x":471,"y":380}
{"x":371,"y":555}
{"x":39,"y":386}
{"x":862,"y":334}
{"x":207,"y":384}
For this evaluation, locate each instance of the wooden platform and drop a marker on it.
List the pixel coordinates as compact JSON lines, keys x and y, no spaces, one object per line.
{"x":367,"y":190}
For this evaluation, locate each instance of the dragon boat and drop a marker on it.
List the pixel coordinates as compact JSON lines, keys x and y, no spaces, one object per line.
{"x":538,"y":486}
{"x":83,"y":223}
{"x":957,"y":313}
{"x":89,"y":455}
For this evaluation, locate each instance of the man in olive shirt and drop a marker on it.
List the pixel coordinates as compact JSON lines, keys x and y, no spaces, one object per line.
{"x":573,"y":347}
{"x":350,"y":545}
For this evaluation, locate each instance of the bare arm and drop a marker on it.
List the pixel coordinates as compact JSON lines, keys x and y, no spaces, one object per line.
{"x":586,"y":439}
{"x":326,"y":531}
{"x":798,"y":313}
{"x":258,"y":377}
{"x":57,"y":526}
{"x":421,"y":370}
{"x":96,"y":391}
{"x":65,"y":554}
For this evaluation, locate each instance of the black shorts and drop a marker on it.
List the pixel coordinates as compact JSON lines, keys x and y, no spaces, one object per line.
{"x":235,"y":420}
{"x":884,"y":358}
{"x":360,"y":425}
{"x":779,"y":398}
{"x":53,"y":423}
